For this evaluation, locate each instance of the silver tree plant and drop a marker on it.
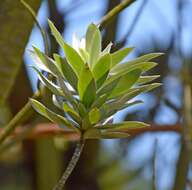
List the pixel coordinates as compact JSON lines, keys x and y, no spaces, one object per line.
{"x":89,"y":85}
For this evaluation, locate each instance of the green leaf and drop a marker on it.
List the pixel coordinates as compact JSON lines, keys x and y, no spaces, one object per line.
{"x":50,"y":115}
{"x":101,"y":69}
{"x":82,"y":110}
{"x":71,"y":112}
{"x":125,"y":83}
{"x":67,"y":93}
{"x":56,"y":34}
{"x":67,"y":71}
{"x":58,"y":101}
{"x":92,"y":133}
{"x":111,"y":108}
{"x":128,"y":66}
{"x":50,"y":85}
{"x":107,"y":49}
{"x":108,"y":87}
{"x":145,"y":88}
{"x":86,"y":87}
{"x":48,"y":62}
{"x":39,"y":63}
{"x":93,"y":44}
{"x":89,"y":36}
{"x":99,"y":101}
{"x":144,"y":58}
{"x":119,"y":55}
{"x":146,"y":79}
{"x":123,"y":126}
{"x":113,"y":135}
{"x":71,"y":55}
{"x":85,"y":56}
{"x":94,"y":115}
{"x":73,"y":59}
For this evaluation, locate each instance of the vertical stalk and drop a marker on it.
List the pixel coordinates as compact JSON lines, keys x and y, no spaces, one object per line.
{"x":71,"y":165}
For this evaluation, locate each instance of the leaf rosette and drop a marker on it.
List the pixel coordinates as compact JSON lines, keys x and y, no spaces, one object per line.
{"x":90,"y":85}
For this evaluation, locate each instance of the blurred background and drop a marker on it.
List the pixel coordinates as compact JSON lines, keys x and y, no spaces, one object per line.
{"x":149,"y":161}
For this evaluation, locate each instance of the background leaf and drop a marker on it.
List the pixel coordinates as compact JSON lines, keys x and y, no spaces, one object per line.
{"x":12,"y":44}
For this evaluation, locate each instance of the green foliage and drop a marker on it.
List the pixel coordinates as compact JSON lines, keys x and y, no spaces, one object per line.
{"x":91,"y":85}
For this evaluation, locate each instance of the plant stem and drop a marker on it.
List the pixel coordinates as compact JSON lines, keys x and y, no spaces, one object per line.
{"x":114,"y":12}
{"x":71,"y":166}
{"x":17,"y":119}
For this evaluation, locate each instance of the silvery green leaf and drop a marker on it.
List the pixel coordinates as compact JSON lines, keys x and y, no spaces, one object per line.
{"x":119,"y":55}
{"x":145,"y":88}
{"x":39,"y":63}
{"x":108,"y":87}
{"x":50,"y":85}
{"x":125,"y":66}
{"x":126,"y":82}
{"x":123,"y":126}
{"x":67,"y":71}
{"x":146,"y":79}
{"x":50,"y":115}
{"x":48,"y":62}
{"x":58,"y":101}
{"x":71,"y":112}
{"x":113,"y":107}
{"x":129,"y":66}
{"x":67,"y":93}
{"x":107,"y":49}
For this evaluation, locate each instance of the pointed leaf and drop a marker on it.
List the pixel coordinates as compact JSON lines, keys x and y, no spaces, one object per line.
{"x":94,"y":115}
{"x":107,"y":49}
{"x":58,"y":101}
{"x":50,"y":115}
{"x":71,"y":112}
{"x":113,"y":135}
{"x":93,"y":44}
{"x":146,"y":79}
{"x":125,"y":83}
{"x":124,"y":126}
{"x":84,"y":55}
{"x":119,"y":55}
{"x":67,"y":71}
{"x":144,"y":58}
{"x":86,"y":87}
{"x":73,"y":59}
{"x":71,"y":55}
{"x":101,"y":69}
{"x":100,"y":100}
{"x":50,"y":85}
{"x":48,"y":62}
{"x":108,"y":87}
{"x":89,"y":35}
{"x":56,"y":34}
